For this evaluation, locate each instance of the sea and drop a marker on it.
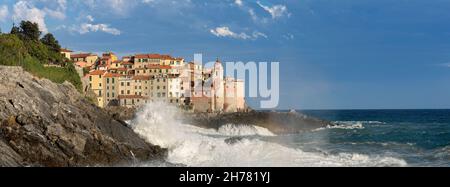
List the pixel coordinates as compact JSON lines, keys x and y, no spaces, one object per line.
{"x":361,"y":138}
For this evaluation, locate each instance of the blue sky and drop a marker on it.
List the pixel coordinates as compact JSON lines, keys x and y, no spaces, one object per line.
{"x":334,"y":54}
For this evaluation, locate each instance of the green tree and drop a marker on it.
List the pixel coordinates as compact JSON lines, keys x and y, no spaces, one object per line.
{"x":30,"y":30}
{"x":50,"y":41}
{"x":15,"y":30}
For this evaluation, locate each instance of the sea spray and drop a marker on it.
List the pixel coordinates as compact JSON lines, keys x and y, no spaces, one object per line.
{"x":160,"y":124}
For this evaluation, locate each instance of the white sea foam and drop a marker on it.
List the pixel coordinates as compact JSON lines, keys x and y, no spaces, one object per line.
{"x":346,"y":126}
{"x":194,"y":146}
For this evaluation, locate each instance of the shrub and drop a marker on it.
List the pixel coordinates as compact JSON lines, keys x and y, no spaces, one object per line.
{"x":32,"y":55}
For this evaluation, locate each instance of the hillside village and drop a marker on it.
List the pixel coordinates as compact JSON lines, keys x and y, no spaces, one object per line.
{"x":135,"y":80}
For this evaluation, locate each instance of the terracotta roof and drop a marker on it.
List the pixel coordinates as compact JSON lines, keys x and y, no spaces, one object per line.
{"x":66,"y":50}
{"x":112,"y":75}
{"x":139,"y":77}
{"x":81,"y":55}
{"x":127,"y":63}
{"x":154,"y":56}
{"x":159,"y":67}
{"x":97,"y":72}
{"x":131,"y":97}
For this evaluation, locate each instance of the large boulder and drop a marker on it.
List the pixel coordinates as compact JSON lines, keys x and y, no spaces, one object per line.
{"x":48,"y":124}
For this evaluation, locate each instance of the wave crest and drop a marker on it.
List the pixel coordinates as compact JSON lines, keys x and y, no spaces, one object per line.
{"x":193,"y":146}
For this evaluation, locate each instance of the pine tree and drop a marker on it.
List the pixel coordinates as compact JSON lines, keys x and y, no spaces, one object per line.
{"x":50,"y":41}
{"x":30,"y":30}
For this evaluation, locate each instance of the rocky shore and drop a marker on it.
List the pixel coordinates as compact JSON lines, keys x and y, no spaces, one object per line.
{"x":276,"y":122}
{"x":48,"y":124}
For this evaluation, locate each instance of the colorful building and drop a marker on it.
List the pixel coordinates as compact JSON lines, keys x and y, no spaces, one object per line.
{"x":89,"y":58}
{"x":66,"y":53}
{"x":96,"y":84}
{"x":141,"y":79}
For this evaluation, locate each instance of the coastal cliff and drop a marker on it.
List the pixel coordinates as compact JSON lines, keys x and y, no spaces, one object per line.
{"x":48,"y":124}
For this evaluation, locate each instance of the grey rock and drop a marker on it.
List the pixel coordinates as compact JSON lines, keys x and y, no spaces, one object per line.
{"x":48,"y":124}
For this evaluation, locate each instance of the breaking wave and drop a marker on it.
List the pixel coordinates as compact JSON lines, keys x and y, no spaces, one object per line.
{"x":193,"y":146}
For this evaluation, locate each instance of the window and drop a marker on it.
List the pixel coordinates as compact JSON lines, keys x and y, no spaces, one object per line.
{"x":122,"y":84}
{"x":128,"y":92}
{"x":113,"y":80}
{"x":99,"y":84}
{"x":159,"y":94}
{"x":157,"y":87}
{"x":107,"y":94}
{"x":107,"y":80}
{"x":100,"y":93}
{"x":164,"y":94}
{"x":90,"y":78}
{"x":128,"y":83}
{"x":122,"y":92}
{"x":113,"y":95}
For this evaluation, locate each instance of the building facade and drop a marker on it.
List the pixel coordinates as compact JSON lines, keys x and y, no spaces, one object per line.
{"x":147,"y":78}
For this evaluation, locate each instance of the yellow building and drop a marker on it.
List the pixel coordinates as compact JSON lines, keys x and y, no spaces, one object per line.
{"x":142,"y":60}
{"x":111,"y":87}
{"x":108,"y":59}
{"x":115,"y":64}
{"x":89,"y":58}
{"x":66,"y":53}
{"x":96,"y":85}
{"x":155,"y":70}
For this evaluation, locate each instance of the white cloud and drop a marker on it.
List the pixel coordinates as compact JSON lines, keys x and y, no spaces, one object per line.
{"x":88,"y":27}
{"x":275,"y":11}
{"x":118,"y":7}
{"x":58,"y":9}
{"x":226,"y":32}
{"x":4,"y":12}
{"x":238,"y":2}
{"x":24,"y":10}
{"x":90,"y":18}
{"x":148,"y":1}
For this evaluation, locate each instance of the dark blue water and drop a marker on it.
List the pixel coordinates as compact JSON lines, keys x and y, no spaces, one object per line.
{"x":420,"y":137}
